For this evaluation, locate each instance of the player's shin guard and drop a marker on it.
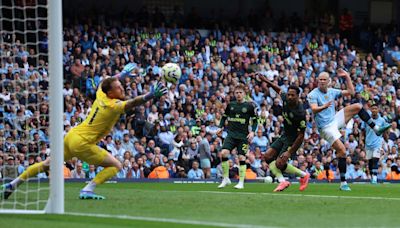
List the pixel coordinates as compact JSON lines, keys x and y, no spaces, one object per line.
{"x":342,"y":169}
{"x":105,"y":174}
{"x":225,"y":167}
{"x":290,"y":169}
{"x":366,"y":117}
{"x":278,"y":174}
{"x":31,"y":171}
{"x":373,"y":164}
{"x":242,"y":171}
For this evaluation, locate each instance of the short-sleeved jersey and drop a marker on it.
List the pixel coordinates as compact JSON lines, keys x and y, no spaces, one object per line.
{"x":239,"y":116}
{"x":373,"y":141}
{"x":294,"y":119}
{"x":104,"y":114}
{"x":326,"y":116}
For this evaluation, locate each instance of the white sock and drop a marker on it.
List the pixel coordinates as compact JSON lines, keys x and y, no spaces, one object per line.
{"x":374,"y":177}
{"x":343,"y":182}
{"x":89,"y":187}
{"x":303,"y":174}
{"x":16,"y":182}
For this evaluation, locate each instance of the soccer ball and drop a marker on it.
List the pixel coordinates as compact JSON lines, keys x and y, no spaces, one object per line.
{"x":171,"y":72}
{"x":268,"y":179}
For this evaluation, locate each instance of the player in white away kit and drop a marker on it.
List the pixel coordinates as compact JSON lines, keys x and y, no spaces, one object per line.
{"x":322,"y":103}
{"x":373,"y":143}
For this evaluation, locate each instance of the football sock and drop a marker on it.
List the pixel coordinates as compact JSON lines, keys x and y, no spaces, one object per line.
{"x":293,"y":170}
{"x":225,"y":167}
{"x":278,"y":174}
{"x":31,"y":171}
{"x":242,"y":171}
{"x":105,"y":174}
{"x":342,"y":169}
{"x":366,"y":117}
{"x":89,"y":187}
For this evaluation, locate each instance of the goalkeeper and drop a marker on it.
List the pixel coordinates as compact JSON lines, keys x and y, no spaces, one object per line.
{"x":81,"y":141}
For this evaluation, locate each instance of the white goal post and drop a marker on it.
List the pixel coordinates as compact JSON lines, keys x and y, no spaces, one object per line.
{"x":16,"y":20}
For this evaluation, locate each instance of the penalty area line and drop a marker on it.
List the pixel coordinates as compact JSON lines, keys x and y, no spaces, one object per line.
{"x":168,"y":220}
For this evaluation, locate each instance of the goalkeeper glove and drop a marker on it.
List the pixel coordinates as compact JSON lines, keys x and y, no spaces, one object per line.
{"x":157,"y":90}
{"x":128,"y":69}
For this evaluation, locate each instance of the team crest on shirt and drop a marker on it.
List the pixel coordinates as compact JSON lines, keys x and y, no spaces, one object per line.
{"x":244,"y":110}
{"x":232,"y":108}
{"x":291,"y":115}
{"x":326,"y":97}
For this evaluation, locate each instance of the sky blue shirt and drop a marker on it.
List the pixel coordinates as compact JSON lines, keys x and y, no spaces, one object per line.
{"x":326,"y":116}
{"x":195,"y":174}
{"x":372,"y":141}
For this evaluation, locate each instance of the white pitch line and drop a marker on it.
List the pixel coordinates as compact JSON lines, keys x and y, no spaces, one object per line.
{"x":300,"y":195}
{"x":169,"y":220}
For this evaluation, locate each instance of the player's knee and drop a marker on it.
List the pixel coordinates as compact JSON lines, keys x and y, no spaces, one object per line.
{"x":118,"y":165}
{"x":225,"y":153}
{"x":356,"y":107}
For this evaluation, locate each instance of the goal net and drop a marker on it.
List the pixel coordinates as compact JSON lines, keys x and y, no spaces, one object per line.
{"x":31,"y":103}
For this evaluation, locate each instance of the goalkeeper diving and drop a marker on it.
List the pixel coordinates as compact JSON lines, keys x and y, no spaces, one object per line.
{"x":81,"y":140}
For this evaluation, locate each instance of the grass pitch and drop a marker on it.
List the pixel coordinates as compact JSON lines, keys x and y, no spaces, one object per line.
{"x":203,"y":205}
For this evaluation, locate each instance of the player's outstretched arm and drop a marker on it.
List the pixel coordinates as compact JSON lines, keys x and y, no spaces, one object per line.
{"x":316,"y":109}
{"x":156,"y":91}
{"x":350,"y":87}
{"x":126,"y":71}
{"x":274,"y":86}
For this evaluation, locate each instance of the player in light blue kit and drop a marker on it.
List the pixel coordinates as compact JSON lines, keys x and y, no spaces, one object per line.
{"x":322,"y":103}
{"x":373,"y":143}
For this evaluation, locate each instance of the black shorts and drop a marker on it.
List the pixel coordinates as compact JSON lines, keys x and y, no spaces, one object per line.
{"x":282,"y":144}
{"x":241,"y":145}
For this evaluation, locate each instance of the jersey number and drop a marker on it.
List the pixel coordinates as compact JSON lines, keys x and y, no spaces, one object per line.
{"x":94,"y":115}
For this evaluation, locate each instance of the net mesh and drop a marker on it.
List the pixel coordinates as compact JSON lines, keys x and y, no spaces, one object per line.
{"x":24,"y":106}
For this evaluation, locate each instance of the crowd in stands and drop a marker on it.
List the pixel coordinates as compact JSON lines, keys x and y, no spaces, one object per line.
{"x":176,"y":135}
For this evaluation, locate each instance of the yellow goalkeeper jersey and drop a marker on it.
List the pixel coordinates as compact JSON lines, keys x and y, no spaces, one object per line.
{"x":104,"y":114}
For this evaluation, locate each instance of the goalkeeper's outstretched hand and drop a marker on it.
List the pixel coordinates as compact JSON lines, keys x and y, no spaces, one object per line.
{"x":128,"y":69}
{"x":157,"y":90}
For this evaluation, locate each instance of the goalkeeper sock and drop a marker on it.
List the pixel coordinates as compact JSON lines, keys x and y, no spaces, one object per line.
{"x":242,"y":171}
{"x":278,"y":174}
{"x":31,"y":171}
{"x":225,"y":168}
{"x":89,"y":187}
{"x":293,"y":170}
{"x":104,"y":175}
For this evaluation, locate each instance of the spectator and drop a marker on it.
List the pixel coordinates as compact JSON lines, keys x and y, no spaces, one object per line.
{"x":78,"y":172}
{"x":195,"y":172}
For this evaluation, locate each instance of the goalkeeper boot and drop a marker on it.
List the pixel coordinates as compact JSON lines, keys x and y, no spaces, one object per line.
{"x":282,"y":186}
{"x":379,"y":131}
{"x":5,"y":191}
{"x":225,"y":181}
{"x":90,"y":195}
{"x":304,"y":182}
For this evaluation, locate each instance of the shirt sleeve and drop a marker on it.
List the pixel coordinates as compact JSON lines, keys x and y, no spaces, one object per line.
{"x":312,"y":99}
{"x":336,"y":93}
